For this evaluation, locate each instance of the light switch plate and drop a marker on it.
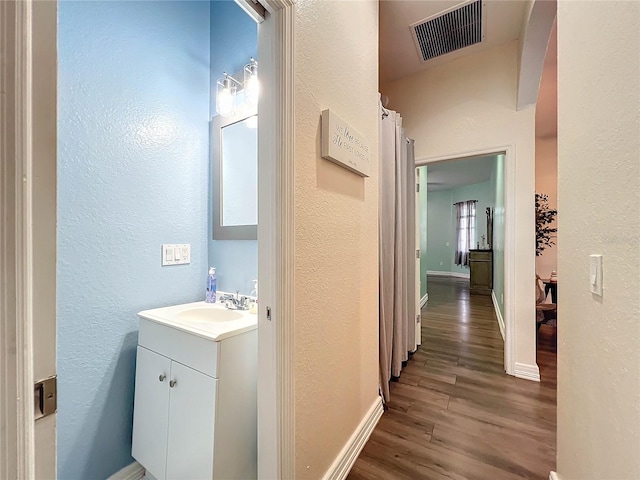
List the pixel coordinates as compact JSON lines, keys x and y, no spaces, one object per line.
{"x":595,"y":274}
{"x":176,"y":254}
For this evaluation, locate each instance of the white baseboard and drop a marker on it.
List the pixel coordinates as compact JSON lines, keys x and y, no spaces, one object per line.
{"x":134,"y":471}
{"x":496,"y":307}
{"x":424,"y":300}
{"x":438,"y":273}
{"x":343,"y":463}
{"x":526,"y":371}
{"x":553,"y":476}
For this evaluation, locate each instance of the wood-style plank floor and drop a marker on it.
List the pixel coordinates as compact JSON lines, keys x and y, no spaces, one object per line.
{"x":454,"y":413}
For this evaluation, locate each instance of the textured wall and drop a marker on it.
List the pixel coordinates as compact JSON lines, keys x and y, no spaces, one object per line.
{"x":441,"y":226}
{"x":336,"y":216}
{"x":468,"y":105}
{"x":599,"y":185}
{"x":132,"y":166}
{"x":234,"y":39}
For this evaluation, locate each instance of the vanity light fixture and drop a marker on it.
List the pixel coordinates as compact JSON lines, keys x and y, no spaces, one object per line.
{"x":251,"y":84}
{"x":226,"y":95}
{"x":228,"y":86}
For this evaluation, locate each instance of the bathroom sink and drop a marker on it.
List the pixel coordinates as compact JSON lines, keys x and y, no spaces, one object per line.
{"x":209,"y":320}
{"x":204,"y":314}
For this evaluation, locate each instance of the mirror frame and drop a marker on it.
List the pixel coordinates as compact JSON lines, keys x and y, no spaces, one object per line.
{"x":229,"y":232}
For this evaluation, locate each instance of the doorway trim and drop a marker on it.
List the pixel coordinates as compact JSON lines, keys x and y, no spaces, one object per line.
{"x":16,"y":235}
{"x":509,"y":237}
{"x":276,"y":416}
{"x":276,"y":247}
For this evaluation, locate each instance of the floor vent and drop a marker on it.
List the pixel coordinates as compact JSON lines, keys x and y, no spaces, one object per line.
{"x":450,"y":31}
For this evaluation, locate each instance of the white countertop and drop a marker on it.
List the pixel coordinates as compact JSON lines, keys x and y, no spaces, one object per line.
{"x":208,"y":320}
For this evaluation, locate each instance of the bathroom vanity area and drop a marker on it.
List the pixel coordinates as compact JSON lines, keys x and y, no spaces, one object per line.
{"x":195,"y":410}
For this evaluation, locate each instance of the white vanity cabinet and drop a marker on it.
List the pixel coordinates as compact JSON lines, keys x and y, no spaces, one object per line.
{"x":195,"y":410}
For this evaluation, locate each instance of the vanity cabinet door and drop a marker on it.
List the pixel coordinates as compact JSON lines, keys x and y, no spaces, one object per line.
{"x":151,"y":411}
{"x":191,"y":421}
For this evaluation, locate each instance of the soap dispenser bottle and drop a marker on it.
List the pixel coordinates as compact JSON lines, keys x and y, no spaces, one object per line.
{"x":253,"y":303}
{"x":212,"y":286}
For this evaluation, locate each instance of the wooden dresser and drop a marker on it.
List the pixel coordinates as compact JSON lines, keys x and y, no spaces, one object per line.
{"x":481,"y":271}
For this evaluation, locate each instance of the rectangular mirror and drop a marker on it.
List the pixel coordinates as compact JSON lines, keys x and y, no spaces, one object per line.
{"x":234,"y":145}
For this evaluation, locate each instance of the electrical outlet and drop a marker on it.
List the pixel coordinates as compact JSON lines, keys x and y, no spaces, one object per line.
{"x":441,"y":263}
{"x":186,"y":253}
{"x":176,"y":254}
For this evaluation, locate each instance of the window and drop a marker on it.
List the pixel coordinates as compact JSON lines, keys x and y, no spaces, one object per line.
{"x":465,"y":230}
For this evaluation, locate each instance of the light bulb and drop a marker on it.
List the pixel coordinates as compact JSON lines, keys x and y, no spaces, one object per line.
{"x":252,"y":90}
{"x":251,"y":83}
{"x":226,"y":97}
{"x":225,"y":102}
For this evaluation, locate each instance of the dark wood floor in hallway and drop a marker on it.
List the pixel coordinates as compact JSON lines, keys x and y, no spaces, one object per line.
{"x":454,"y":413}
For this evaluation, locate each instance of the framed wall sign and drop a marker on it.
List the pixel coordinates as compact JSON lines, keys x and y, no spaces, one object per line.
{"x":343,"y":145}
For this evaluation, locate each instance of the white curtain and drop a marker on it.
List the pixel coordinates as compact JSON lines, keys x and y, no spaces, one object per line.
{"x":397,"y":248}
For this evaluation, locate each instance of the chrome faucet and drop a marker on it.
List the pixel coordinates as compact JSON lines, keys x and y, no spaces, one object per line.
{"x":235,"y":303}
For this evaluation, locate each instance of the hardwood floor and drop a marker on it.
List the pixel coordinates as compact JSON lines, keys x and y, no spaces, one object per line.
{"x":454,"y":413}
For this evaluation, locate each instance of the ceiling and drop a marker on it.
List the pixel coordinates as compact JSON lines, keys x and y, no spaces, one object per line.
{"x":456,"y":173}
{"x":399,"y":56}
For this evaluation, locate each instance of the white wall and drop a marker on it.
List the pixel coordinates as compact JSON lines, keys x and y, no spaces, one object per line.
{"x":469,"y":105}
{"x":599,"y":185}
{"x":336,"y":216}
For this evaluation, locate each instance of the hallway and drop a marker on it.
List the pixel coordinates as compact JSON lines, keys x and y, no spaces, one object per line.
{"x":454,"y":414}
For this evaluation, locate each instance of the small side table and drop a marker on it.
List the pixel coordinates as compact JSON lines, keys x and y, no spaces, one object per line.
{"x":480,"y":271}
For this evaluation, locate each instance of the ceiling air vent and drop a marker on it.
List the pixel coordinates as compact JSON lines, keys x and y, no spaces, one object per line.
{"x":449,"y":31}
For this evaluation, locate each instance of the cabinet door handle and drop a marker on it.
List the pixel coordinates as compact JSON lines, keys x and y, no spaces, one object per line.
{"x":162,"y":377}
{"x":173,"y":383}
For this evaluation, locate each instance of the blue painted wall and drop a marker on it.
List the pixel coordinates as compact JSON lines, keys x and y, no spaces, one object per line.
{"x":234,"y":39}
{"x":133,"y":164}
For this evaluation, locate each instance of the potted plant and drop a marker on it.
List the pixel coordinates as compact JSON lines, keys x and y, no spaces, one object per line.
{"x":545,"y":215}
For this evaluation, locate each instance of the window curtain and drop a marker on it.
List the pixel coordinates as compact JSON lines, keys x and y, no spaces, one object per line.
{"x":465,"y":230}
{"x":397,"y":248}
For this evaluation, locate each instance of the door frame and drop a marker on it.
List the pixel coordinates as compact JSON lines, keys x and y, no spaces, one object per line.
{"x":276,"y":232}
{"x":276,"y":247}
{"x":16,"y":241}
{"x":418,"y":234}
{"x":509,"y":238}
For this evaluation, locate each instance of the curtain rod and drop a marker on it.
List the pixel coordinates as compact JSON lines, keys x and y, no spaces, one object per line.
{"x":474,"y":201}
